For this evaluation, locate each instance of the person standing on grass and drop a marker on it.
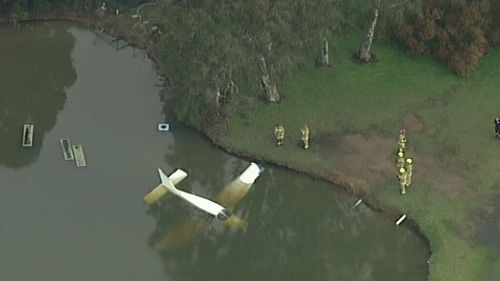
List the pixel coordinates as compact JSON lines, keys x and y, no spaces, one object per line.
{"x":497,"y":127}
{"x":402,"y":138}
{"x":305,"y":136}
{"x":409,"y":170}
{"x":401,"y":152}
{"x":403,"y":180}
{"x":279,"y":132}
{"x":400,"y":158}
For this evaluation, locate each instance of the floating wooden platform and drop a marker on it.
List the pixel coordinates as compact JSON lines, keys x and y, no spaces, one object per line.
{"x":28,"y":135}
{"x":79,"y":156}
{"x":67,"y":149}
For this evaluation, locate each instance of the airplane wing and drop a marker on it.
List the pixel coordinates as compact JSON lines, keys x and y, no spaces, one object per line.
{"x":180,"y":234}
{"x":155,"y":194}
{"x":239,"y":187}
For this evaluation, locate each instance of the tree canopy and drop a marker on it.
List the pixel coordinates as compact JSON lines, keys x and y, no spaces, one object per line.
{"x":210,"y":50}
{"x":457,"y":32}
{"x":210,"y":43}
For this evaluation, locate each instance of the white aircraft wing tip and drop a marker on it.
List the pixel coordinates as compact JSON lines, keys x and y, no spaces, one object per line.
{"x":250,"y":174}
{"x":181,"y":171}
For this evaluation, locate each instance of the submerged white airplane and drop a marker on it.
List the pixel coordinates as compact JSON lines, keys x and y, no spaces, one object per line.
{"x":246,"y":179}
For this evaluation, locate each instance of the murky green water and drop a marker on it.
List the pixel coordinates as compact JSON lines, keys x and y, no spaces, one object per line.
{"x":59,"y":222}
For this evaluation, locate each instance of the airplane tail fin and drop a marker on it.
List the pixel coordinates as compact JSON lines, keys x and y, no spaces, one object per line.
{"x":162,"y":189}
{"x":166,"y":182}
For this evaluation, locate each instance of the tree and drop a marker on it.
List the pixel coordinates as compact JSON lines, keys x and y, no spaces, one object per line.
{"x":324,"y":57}
{"x":455,"y":31}
{"x":269,"y":89}
{"x":19,"y":11}
{"x":364,"y":54}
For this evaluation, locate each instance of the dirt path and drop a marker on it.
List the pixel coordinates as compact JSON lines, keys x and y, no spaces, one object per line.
{"x":371,"y":159}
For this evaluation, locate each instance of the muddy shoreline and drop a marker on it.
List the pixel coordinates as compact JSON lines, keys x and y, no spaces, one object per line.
{"x":352,"y":185}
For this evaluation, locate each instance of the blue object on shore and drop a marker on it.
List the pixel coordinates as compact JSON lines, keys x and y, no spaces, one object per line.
{"x":163,"y":127}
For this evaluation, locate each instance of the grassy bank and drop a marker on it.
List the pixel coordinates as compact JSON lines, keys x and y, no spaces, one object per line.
{"x":355,"y":112}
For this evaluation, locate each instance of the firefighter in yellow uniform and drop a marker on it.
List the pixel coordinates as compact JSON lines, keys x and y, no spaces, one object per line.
{"x":401,"y":152}
{"x":279,"y":132}
{"x":402,"y":138}
{"x":400,"y":162}
{"x":403,"y":180}
{"x":409,"y":170}
{"x":305,"y":136}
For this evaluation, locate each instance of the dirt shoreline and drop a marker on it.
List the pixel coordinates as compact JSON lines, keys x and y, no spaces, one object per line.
{"x":351,"y":185}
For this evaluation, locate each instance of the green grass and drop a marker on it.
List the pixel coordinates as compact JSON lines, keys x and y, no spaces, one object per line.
{"x":351,"y":98}
{"x":440,"y":219}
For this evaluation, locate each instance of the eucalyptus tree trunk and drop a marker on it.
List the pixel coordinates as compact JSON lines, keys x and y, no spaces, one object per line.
{"x":324,"y":59}
{"x":364,"y":51}
{"x":224,"y":94}
{"x":219,"y":99}
{"x":269,"y":89}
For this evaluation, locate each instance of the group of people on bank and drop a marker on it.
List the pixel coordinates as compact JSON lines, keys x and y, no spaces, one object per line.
{"x":404,"y":164}
{"x":279,"y":133}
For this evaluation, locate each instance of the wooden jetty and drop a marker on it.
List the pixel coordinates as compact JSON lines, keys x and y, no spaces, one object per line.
{"x":28,"y":135}
{"x":79,"y":156}
{"x":116,"y":42}
{"x":67,"y":149}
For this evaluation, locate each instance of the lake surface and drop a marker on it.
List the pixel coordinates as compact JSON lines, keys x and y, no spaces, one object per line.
{"x":60,"y":222}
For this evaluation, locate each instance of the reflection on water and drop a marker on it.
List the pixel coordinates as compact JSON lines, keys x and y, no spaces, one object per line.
{"x":298,"y":229}
{"x":59,"y":222}
{"x":32,"y":90}
{"x":179,"y":235}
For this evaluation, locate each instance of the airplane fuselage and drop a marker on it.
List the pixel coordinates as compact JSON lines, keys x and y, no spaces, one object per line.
{"x":204,"y":204}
